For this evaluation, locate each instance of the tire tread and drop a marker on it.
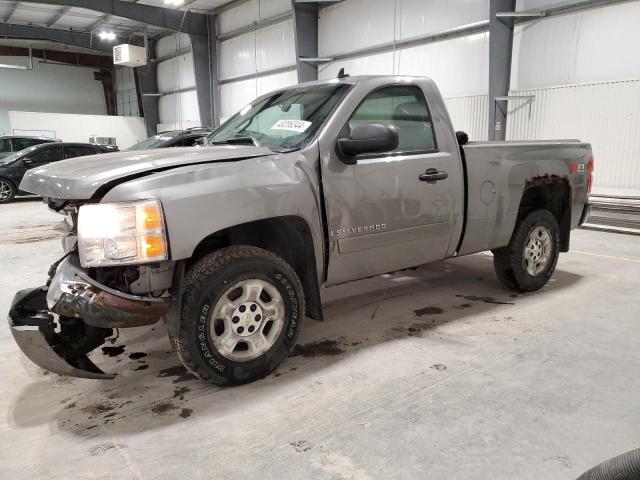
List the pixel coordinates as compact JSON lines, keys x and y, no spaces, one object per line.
{"x":196,"y":278}
{"x":507,"y":259}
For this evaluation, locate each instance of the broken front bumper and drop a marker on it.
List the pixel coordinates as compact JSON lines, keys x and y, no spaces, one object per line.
{"x":73,"y":293}
{"x":34,"y":330}
{"x":86,"y":314}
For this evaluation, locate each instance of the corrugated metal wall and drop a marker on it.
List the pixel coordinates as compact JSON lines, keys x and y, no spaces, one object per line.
{"x":470,"y":114}
{"x":178,"y":106}
{"x":257,"y":61}
{"x":605,"y":114}
{"x":460,"y":66}
{"x":126,"y":95}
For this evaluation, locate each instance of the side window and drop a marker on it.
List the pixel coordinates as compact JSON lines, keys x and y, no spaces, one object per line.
{"x":71,"y":151}
{"x":47,"y":154}
{"x":190,"y":141}
{"x":187,"y":141}
{"x":5,"y":145}
{"x":20,"y":143}
{"x":404,"y":107}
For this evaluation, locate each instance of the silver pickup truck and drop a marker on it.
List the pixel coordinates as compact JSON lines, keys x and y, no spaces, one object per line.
{"x":310,"y":186}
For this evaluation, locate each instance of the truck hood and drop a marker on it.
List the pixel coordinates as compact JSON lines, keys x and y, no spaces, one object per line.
{"x":80,"y":178}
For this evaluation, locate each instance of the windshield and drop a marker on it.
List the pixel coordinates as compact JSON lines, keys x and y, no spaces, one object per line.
{"x":281,"y":121}
{"x":154,"y":142}
{"x":16,"y":155}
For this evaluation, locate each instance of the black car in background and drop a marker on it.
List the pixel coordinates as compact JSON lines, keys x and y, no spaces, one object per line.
{"x":14,"y":165}
{"x":15,"y":143}
{"x":173,"y":138}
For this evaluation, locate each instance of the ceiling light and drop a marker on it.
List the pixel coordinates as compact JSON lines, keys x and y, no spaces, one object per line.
{"x":175,"y":3}
{"x":108,"y":36}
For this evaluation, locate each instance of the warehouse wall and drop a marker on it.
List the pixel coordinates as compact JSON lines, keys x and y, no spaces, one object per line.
{"x":78,"y":128}
{"x":259,"y":60}
{"x":178,"y":107}
{"x":48,"y":88}
{"x":585,"y":86}
{"x":460,"y":66}
{"x":126,"y":95}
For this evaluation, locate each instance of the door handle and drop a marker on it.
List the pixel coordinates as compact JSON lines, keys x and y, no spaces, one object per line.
{"x":433,"y":175}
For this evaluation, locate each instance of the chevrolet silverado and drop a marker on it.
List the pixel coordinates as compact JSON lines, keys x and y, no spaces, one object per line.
{"x":306,"y":187}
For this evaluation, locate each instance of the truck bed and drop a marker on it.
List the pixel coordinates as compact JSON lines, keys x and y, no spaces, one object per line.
{"x":496,"y":174}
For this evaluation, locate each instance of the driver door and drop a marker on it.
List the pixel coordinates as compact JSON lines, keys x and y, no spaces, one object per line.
{"x":383,"y":214}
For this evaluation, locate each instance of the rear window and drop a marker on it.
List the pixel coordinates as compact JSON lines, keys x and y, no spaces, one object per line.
{"x":20,"y":143}
{"x":71,"y":151}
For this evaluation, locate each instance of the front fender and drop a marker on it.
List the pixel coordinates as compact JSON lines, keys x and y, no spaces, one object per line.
{"x":204,"y":199}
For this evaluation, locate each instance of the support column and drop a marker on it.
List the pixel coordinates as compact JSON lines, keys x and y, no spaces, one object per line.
{"x":305,"y":27}
{"x":147,"y":79}
{"x":500,"y":49}
{"x":205,"y":63}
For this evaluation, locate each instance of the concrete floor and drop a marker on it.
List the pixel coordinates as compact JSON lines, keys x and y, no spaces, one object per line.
{"x":438,"y":373}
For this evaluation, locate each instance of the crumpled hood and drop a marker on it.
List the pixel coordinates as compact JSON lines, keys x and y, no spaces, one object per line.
{"x":80,"y":178}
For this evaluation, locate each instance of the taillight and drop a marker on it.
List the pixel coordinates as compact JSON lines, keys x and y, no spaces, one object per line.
{"x":590,"y":167}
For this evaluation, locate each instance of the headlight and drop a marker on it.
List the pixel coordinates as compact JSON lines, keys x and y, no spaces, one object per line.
{"x":121,"y":233}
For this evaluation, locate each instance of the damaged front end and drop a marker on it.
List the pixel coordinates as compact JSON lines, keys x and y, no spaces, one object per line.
{"x":61,"y":348}
{"x":56,"y":326}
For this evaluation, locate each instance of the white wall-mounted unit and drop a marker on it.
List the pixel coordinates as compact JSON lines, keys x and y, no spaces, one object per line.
{"x":129,"y":55}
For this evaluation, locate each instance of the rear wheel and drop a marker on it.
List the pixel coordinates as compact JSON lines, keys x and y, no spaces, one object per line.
{"x":527,"y":263}
{"x":242,"y":312}
{"x":7,"y":191}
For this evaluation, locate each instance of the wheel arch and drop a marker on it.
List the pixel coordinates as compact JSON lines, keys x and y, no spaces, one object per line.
{"x":289,"y":237}
{"x":551,"y":193}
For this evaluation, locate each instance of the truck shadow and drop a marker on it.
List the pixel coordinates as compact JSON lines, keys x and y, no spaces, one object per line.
{"x":153,"y":390}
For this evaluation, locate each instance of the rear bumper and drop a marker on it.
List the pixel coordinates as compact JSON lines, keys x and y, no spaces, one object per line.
{"x":87,"y":313}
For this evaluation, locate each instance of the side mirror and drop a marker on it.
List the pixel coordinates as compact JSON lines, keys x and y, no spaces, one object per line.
{"x":27,"y":161}
{"x":367,"y":138}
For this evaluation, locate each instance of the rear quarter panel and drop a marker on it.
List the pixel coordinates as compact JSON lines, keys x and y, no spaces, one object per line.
{"x":497,"y":175}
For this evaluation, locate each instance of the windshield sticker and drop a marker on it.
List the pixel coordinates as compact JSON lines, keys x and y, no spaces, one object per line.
{"x":292,"y":125}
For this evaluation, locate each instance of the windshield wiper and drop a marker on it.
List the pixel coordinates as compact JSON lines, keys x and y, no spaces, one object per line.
{"x":237,"y":141}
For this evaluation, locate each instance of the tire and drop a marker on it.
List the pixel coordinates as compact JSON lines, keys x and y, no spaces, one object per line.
{"x":218,"y":312}
{"x":8,"y":191}
{"x":527,"y":263}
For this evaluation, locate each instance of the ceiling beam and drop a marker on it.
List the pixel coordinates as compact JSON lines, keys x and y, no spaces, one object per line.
{"x":57,"y":16}
{"x":79,"y":39}
{"x":176,"y":20}
{"x":71,"y":58}
{"x":98,"y":22}
{"x":11,"y":12}
{"x":101,"y":20}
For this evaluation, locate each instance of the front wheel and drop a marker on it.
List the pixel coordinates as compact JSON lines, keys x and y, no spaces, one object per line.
{"x":7,"y":191}
{"x":527,"y":263}
{"x":241,"y":316}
